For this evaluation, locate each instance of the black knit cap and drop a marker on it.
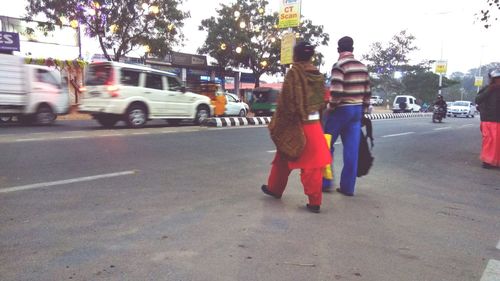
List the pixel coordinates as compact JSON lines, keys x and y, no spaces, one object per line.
{"x":303,"y":51}
{"x":345,"y":44}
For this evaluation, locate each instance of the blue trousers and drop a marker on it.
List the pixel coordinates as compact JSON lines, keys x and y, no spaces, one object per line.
{"x":346,"y":122}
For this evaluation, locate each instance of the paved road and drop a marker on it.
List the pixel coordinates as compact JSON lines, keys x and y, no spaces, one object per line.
{"x":183,"y":203}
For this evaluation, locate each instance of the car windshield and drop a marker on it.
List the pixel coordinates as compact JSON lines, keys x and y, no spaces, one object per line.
{"x":460,"y":103}
{"x":99,"y":74}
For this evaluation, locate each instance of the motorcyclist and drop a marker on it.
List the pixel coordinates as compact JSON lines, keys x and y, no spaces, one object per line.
{"x":441,"y":103}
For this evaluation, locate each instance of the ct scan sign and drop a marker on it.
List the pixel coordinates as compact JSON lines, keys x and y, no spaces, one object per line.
{"x":441,"y":66}
{"x":478,"y":81}
{"x":289,"y":14}
{"x":287,"y":44}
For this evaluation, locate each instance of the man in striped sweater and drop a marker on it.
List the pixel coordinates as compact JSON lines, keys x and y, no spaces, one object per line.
{"x":350,"y":99}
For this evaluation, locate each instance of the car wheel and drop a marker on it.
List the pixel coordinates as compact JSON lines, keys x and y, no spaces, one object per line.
{"x":45,"y":116}
{"x":202,"y":113}
{"x":136,"y":116}
{"x":107,"y":121}
{"x":242,"y":113}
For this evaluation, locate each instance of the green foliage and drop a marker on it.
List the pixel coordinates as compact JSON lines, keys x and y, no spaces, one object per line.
{"x":490,"y":13}
{"x":259,"y":39}
{"x":119,"y":26}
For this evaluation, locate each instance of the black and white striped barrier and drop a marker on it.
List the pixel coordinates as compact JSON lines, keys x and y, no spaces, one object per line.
{"x":235,"y":121}
{"x":397,"y":115}
{"x":244,"y":121}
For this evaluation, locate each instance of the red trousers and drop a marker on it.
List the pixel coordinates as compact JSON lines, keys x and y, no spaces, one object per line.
{"x":490,"y":151}
{"x":312,"y":179}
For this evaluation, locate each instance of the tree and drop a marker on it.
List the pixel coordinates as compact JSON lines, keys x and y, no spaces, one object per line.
{"x":491,"y":13}
{"x":120,"y":26}
{"x":388,"y":63}
{"x":243,"y":35}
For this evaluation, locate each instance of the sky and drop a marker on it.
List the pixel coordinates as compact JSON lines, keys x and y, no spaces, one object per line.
{"x":444,"y":30}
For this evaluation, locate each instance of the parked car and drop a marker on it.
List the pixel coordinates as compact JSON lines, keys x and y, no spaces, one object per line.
{"x":135,"y":94}
{"x":405,"y":103}
{"x":376,"y":100}
{"x":235,"y":106}
{"x":31,"y":93}
{"x":462,"y":108}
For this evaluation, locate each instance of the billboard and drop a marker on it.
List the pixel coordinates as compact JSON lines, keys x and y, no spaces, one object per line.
{"x":289,"y":15}
{"x":9,"y":41}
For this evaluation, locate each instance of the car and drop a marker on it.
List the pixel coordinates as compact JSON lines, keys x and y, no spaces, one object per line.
{"x":376,"y":100}
{"x":405,"y":103}
{"x":235,"y":107}
{"x":462,"y":108}
{"x":115,"y":91}
{"x":448,"y":108}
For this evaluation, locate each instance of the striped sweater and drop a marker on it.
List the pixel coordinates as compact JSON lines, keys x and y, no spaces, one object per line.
{"x":350,"y":82}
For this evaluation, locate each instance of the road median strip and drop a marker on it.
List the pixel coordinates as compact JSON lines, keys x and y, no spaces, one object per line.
{"x":244,"y":121}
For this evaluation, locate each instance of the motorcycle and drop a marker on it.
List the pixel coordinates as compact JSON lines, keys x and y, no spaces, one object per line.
{"x":438,"y":114}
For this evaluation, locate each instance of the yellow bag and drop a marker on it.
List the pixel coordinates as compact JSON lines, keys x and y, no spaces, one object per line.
{"x":328,"y":170}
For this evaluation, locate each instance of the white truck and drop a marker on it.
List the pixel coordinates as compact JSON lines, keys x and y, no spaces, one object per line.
{"x":30,"y":93}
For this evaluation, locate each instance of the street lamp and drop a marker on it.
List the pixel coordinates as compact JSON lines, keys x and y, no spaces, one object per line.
{"x":223,"y":46}
{"x":238,"y":50}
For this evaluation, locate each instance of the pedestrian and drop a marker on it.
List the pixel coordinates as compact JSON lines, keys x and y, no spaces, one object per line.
{"x":349,"y":99}
{"x":296,"y":129}
{"x":488,"y":101}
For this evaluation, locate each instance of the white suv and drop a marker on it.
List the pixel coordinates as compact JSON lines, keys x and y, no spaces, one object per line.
{"x":405,"y":104}
{"x":116,"y":91}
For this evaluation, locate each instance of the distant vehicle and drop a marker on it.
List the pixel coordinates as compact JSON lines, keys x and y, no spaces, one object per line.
{"x":462,"y":108}
{"x":376,"y":100}
{"x":135,"y":94}
{"x":438,"y":114}
{"x":31,"y":93}
{"x":235,"y":107}
{"x":405,"y":104}
{"x":264,"y":101}
{"x":448,"y":108}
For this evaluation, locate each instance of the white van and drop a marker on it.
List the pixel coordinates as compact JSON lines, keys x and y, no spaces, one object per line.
{"x":116,"y":91}
{"x":405,"y":104}
{"x":31,"y":93}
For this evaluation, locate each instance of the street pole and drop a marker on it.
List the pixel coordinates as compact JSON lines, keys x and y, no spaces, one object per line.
{"x":440,"y":82}
{"x":79,"y":43}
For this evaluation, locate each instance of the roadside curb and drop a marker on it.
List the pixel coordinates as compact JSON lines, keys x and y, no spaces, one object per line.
{"x":244,"y":121}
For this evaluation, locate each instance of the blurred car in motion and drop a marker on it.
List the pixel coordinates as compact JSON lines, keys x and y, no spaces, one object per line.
{"x":235,"y":106}
{"x":462,"y":108}
{"x":135,"y":94}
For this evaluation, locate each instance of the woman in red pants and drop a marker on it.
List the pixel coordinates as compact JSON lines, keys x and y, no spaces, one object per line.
{"x":296,"y":129}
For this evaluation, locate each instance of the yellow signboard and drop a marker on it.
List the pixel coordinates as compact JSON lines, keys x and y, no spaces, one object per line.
{"x":441,"y":66}
{"x":287,"y":44}
{"x":289,"y":15}
{"x":478,"y":82}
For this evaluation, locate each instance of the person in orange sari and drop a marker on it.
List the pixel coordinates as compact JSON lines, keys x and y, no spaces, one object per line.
{"x":297,"y":132}
{"x":488,"y":101}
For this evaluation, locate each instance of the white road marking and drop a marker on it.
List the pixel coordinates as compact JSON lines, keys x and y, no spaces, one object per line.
{"x":141,"y":133}
{"x":492,"y":271}
{"x":397,"y":135}
{"x":33,"y":139}
{"x":443,"y":128}
{"x":466,"y":125}
{"x":271,"y":151}
{"x":61,"y":182}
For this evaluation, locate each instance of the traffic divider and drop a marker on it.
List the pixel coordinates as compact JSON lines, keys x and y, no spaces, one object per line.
{"x":245,"y":121}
